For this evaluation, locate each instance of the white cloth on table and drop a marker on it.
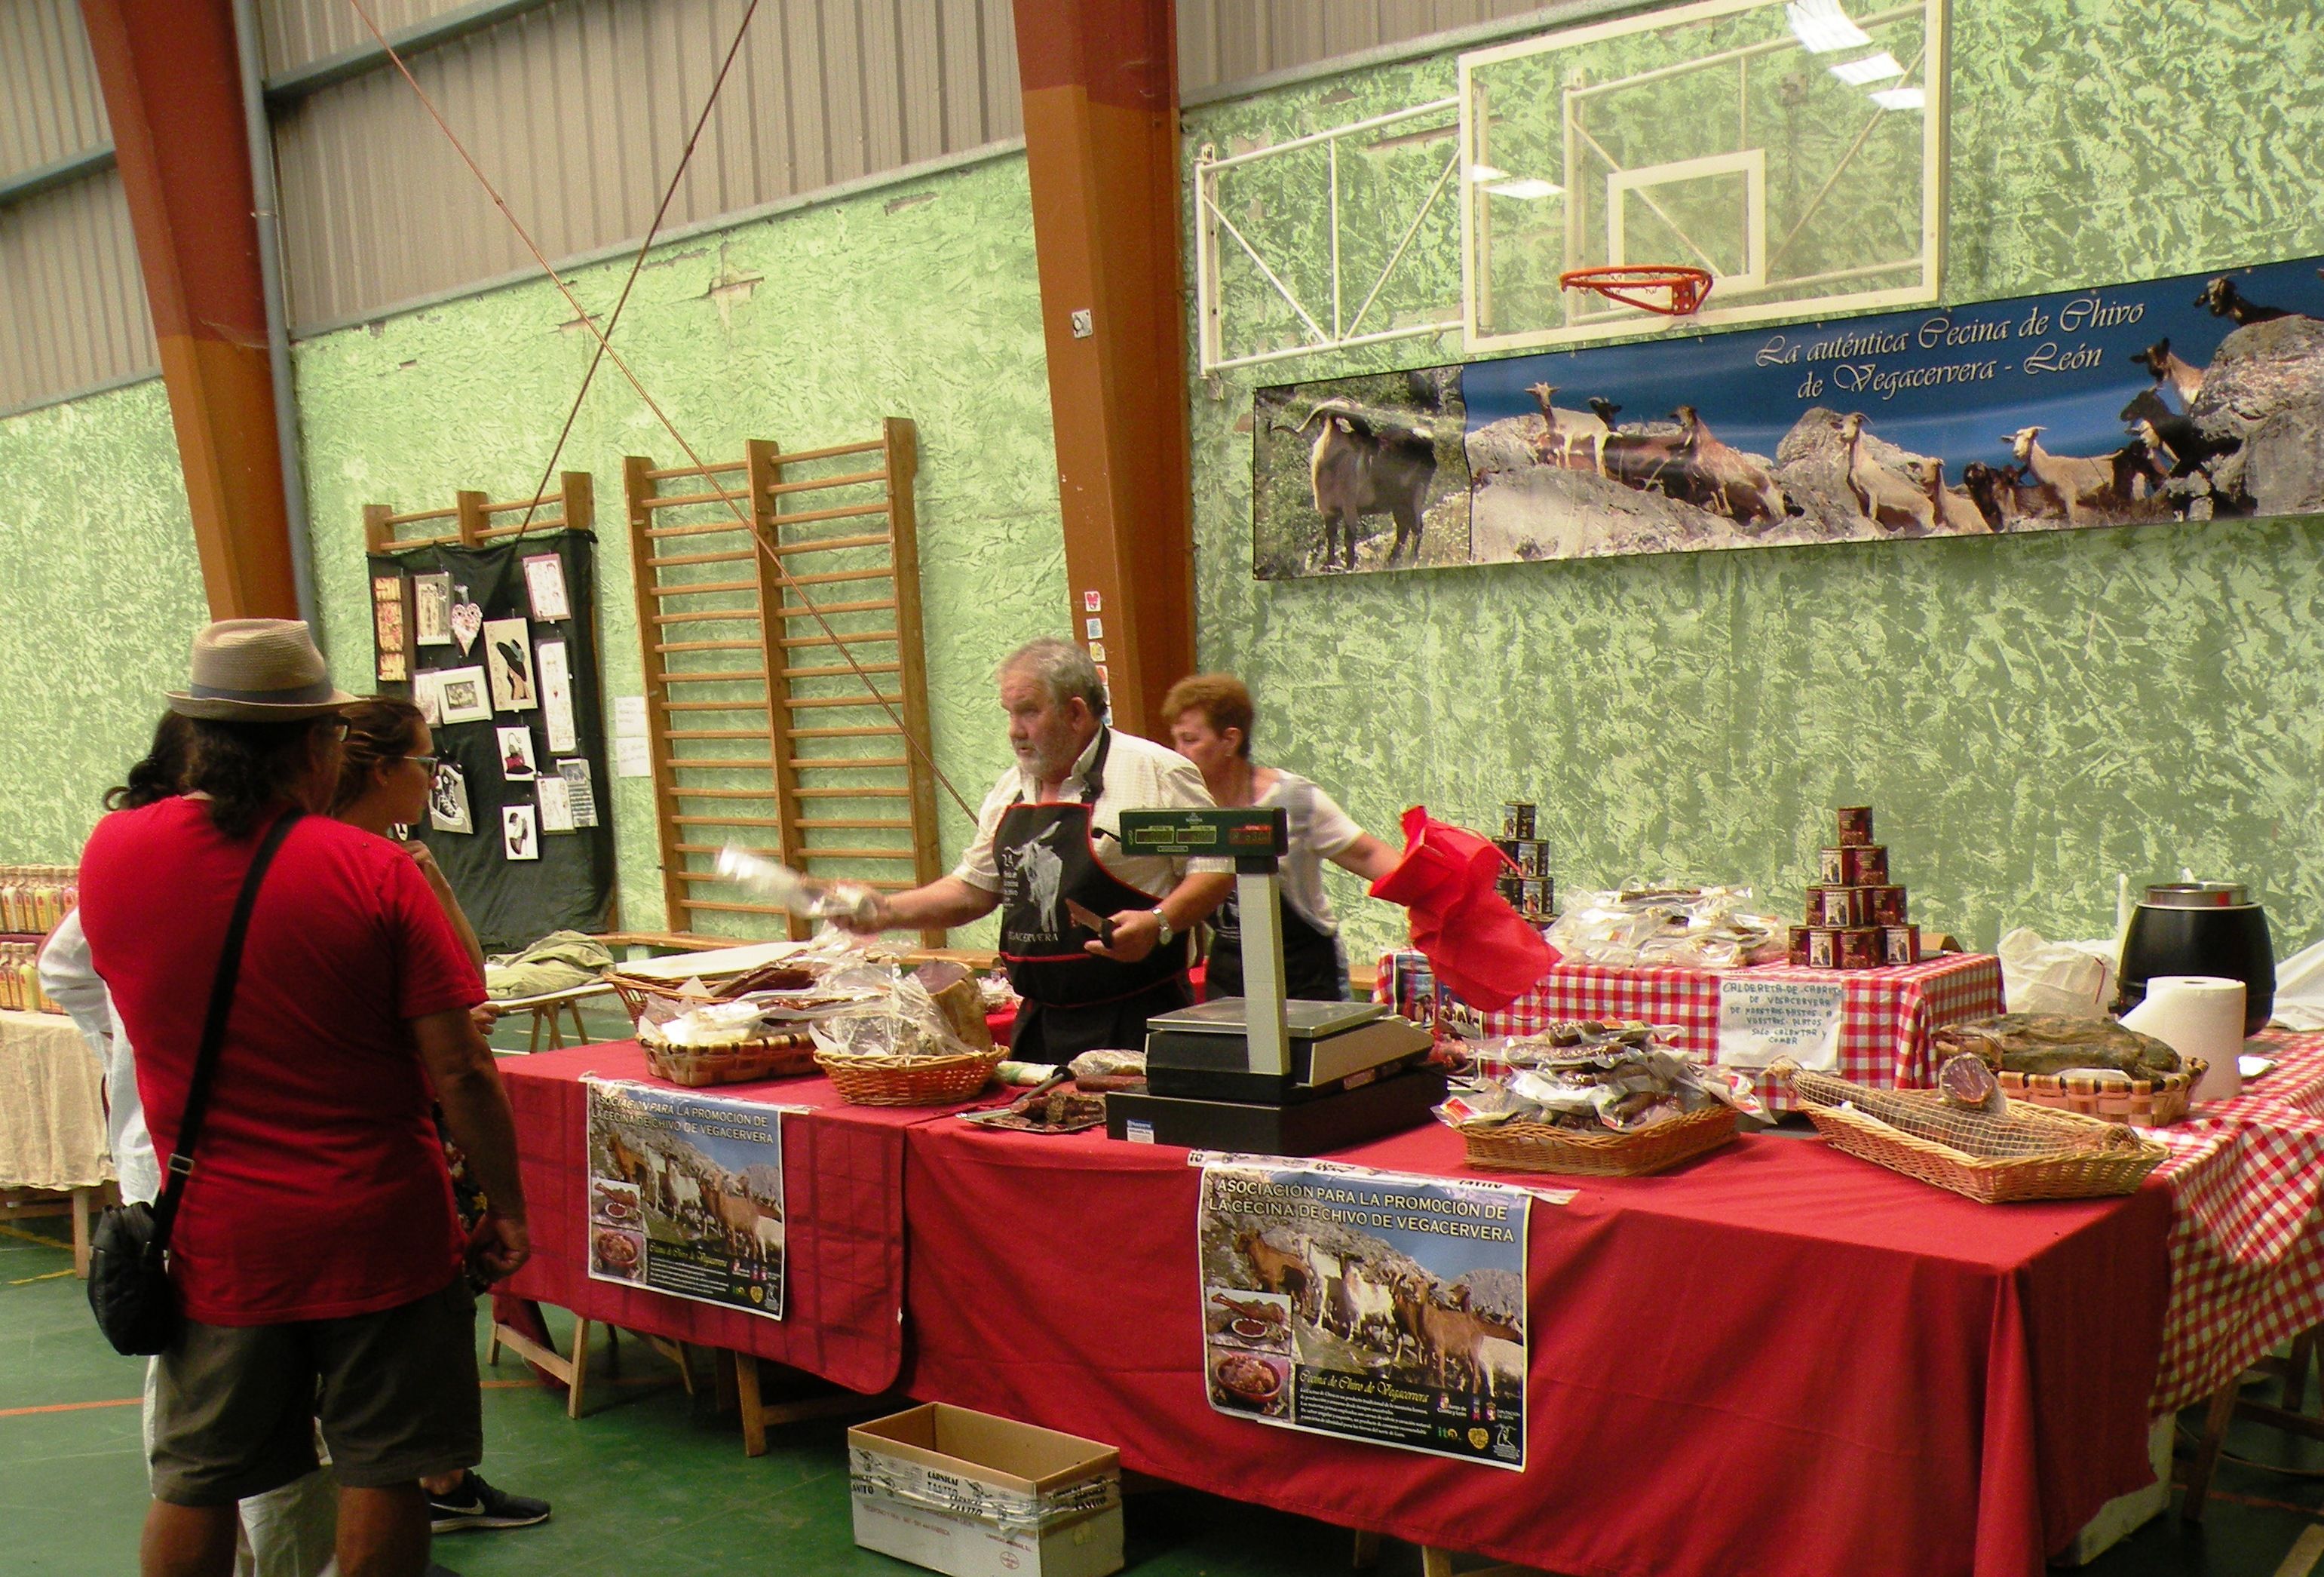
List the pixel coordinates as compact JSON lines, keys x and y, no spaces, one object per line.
{"x":73,"y":983}
{"x":1139,"y":775}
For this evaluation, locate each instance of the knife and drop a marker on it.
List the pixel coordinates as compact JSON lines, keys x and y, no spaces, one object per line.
{"x":1091,"y":919}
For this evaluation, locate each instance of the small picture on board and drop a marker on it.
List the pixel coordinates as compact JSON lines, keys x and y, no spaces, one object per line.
{"x":387,"y":626}
{"x":463,"y":696}
{"x":518,"y":763}
{"x":428,"y":695}
{"x":519,"y":834}
{"x":556,"y":805}
{"x":544,"y":583}
{"x":555,"y":673}
{"x":431,"y":610}
{"x":580,"y":794}
{"x":448,"y":801}
{"x":508,"y":656}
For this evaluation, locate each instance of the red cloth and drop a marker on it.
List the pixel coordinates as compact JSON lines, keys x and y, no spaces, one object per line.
{"x":1777,"y":1360}
{"x":1480,"y":947}
{"x":843,"y":1188}
{"x":320,"y":1189}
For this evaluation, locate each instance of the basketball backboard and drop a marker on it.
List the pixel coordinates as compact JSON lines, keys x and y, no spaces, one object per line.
{"x":1794,"y":148}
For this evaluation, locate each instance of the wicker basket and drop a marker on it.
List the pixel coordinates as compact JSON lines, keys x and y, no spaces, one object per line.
{"x":866,"y":1081}
{"x":773,"y":1056}
{"x":2140,"y":1103}
{"x":1541,"y":1146}
{"x":2078,"y":1169}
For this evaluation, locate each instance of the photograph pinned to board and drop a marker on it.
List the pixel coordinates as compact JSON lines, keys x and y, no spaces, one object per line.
{"x":556,"y":805}
{"x":581,"y":794}
{"x":463,"y":696}
{"x":544,"y":584}
{"x":447,"y":801}
{"x":518,"y":763}
{"x":428,"y":695}
{"x":520,"y":833}
{"x":554,"y":670}
{"x":431,"y":610}
{"x":466,"y":619}
{"x":388,"y":627}
{"x":508,"y":657}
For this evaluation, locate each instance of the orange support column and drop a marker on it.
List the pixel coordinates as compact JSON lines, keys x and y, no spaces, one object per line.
{"x":1101,"y":151}
{"x":173,"y":90}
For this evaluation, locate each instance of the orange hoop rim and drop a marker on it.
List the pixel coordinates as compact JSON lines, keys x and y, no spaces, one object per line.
{"x":1686,"y":286}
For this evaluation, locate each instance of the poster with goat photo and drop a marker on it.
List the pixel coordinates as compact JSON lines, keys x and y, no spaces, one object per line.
{"x":1368,"y":1305}
{"x":686,"y":1195}
{"x":2195,"y":397}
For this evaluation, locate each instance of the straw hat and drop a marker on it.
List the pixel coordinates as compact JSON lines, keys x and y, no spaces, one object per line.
{"x":257,"y":671}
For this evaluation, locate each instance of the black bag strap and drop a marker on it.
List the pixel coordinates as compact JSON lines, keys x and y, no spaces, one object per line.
{"x":198,"y":1090}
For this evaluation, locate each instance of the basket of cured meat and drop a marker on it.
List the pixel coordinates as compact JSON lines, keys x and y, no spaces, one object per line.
{"x":2094,"y":1067}
{"x":730,"y":1031}
{"x":915,"y":1039}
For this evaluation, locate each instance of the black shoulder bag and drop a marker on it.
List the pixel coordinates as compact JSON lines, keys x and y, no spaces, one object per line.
{"x":128,"y":1267}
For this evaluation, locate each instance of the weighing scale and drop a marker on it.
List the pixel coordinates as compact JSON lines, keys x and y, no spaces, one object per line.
{"x":1258,"y":1074}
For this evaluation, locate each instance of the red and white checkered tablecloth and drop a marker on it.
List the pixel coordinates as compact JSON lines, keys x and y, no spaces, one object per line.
{"x":2247,"y":1181}
{"x":1886,"y":1014}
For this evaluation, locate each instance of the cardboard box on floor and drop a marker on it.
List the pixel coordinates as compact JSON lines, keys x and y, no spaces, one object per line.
{"x":965,"y":1493}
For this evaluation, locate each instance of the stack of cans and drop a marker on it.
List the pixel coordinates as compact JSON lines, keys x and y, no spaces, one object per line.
{"x":1857,"y":916}
{"x":1530,"y":889}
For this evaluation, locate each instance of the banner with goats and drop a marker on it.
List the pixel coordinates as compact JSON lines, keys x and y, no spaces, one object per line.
{"x":2193,"y":398}
{"x":686,"y":1195}
{"x":1368,"y":1305}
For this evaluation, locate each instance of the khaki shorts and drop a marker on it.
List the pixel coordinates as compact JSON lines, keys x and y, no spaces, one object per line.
{"x":395,"y":1393}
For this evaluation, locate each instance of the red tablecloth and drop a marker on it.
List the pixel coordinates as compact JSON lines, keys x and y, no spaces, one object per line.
{"x":843,"y":1186}
{"x":1778,"y":1360}
{"x":1886,"y":1014}
{"x":2246,"y":1177}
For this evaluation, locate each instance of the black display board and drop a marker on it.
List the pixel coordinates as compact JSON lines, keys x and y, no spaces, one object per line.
{"x":569,"y":886}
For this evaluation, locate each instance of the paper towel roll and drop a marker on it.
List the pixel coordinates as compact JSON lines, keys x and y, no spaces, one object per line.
{"x":2196,"y":1015}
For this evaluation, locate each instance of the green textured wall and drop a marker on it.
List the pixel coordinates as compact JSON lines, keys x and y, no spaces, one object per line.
{"x":807,"y":327}
{"x":2029,"y":716}
{"x":100,"y":593}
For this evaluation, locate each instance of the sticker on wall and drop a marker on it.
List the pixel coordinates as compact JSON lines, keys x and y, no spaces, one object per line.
{"x":556,"y":806}
{"x":520,"y":833}
{"x":556,"y":678}
{"x":1094,"y":629}
{"x":1092,"y":602}
{"x":1097,"y":650}
{"x":387,"y":627}
{"x":508,"y":656}
{"x":580,"y":793}
{"x":518,"y":763}
{"x":431,"y":610}
{"x":461,"y":695}
{"x":448,"y":801}
{"x":544,"y":583}
{"x":468,"y":620}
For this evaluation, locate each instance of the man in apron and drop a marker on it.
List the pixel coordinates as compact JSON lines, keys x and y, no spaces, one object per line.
{"x":1095,"y":937}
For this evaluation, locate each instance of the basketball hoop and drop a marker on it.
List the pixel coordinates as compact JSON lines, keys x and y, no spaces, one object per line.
{"x":1685,"y":287}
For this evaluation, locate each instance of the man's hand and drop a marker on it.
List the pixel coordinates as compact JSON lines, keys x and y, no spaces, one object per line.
{"x":1135,"y":932}
{"x":499,"y":1247}
{"x":871,"y":920}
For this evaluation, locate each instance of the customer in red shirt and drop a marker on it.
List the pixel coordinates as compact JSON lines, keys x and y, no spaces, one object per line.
{"x":316,"y":1246}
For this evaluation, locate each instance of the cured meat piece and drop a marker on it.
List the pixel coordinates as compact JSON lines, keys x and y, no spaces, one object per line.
{"x":1967,"y":1084}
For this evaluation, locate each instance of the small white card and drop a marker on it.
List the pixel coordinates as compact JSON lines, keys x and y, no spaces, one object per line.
{"x":632,"y":757}
{"x":555,"y":694}
{"x":556,"y":806}
{"x":630,"y":715}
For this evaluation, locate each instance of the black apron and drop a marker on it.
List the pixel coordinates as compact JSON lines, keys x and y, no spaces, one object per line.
{"x":1074,"y":1002}
{"x":1312,"y":969}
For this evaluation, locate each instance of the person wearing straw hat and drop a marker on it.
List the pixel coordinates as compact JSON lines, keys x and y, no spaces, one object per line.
{"x":315,"y":1252}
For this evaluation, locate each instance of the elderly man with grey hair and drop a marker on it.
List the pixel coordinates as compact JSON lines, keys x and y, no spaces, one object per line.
{"x":1095,"y":937}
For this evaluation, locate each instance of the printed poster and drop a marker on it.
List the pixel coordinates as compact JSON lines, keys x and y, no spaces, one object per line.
{"x":1368,"y":1305}
{"x":686,"y":1195}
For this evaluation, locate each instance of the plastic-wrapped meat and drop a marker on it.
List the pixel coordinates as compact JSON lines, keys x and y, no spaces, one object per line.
{"x":1966,"y":1083}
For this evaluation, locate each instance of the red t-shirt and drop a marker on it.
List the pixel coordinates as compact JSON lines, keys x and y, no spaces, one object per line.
{"x":318,"y":1188}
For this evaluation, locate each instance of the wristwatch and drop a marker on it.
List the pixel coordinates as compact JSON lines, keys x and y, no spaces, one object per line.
{"x":1167,"y":931}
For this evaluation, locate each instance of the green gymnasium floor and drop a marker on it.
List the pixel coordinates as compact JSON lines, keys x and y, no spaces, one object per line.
{"x":651,"y":1482}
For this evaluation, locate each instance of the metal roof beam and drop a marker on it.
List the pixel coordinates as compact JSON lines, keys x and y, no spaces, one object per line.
{"x":32,"y":183}
{"x":289,"y":87}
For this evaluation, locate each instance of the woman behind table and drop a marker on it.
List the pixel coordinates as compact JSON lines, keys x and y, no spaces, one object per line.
{"x":1210,"y":719}
{"x":385,"y":774}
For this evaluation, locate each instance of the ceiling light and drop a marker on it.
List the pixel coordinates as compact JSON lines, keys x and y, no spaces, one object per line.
{"x":1821,"y":27}
{"x":1525,"y":189}
{"x":1871,"y":68}
{"x":1901,"y":98}
{"x":1481,"y":173}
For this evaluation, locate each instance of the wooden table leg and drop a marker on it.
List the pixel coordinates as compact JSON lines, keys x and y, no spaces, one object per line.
{"x":1366,"y":1555}
{"x":532,"y":1041}
{"x":80,"y":1201}
{"x":2207,"y":1449}
{"x":1435,"y":1562}
{"x":580,"y":1368}
{"x":746,"y":1394}
{"x":2295,"y":1374}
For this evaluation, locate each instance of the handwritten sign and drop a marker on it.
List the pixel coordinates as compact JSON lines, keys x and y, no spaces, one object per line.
{"x":1761,"y":1021}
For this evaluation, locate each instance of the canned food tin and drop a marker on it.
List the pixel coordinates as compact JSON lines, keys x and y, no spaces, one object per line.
{"x":1516,"y":818}
{"x":1535,"y":900}
{"x":1823,"y":948}
{"x":1835,"y":906}
{"x":1867,"y":865}
{"x":1510,"y":886}
{"x":1832,"y":867}
{"x":1859,"y":947}
{"x":1900,"y":943}
{"x":1855,"y":824}
{"x":1888,"y":905}
{"x":1798,"y":951}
